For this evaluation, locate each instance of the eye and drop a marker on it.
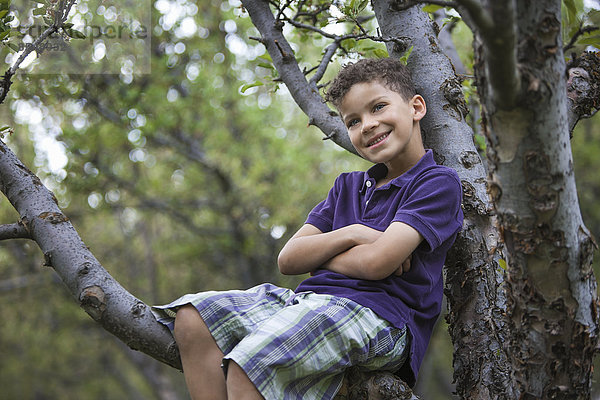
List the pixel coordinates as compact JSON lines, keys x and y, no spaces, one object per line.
{"x":352,"y":122}
{"x":378,"y":106}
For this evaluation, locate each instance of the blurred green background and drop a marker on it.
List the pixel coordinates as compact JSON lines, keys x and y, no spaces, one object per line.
{"x":189,"y":178}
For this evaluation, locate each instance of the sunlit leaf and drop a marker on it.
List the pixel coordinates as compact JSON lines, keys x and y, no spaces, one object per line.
{"x":380,"y":53}
{"x":39,"y":11}
{"x":75,"y":34}
{"x":431,"y":8}
{"x":250,"y":85}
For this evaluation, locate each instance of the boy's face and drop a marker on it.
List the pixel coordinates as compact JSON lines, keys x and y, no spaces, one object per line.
{"x":382,"y":125}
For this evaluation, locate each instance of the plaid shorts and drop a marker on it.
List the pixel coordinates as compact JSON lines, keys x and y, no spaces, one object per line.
{"x":294,"y":346}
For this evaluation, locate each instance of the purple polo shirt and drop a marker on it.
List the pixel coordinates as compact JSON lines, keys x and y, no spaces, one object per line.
{"x":426,"y":197}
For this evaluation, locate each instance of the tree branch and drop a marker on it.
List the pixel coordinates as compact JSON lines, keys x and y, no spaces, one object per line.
{"x":481,"y":19}
{"x":14,"y":231}
{"x":61,"y":15}
{"x":304,"y":93}
{"x":103,"y":298}
{"x":496,"y":29}
{"x":329,"y":53}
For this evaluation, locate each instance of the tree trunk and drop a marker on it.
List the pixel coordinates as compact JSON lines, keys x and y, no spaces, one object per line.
{"x":552,"y":300}
{"x":473,"y":276}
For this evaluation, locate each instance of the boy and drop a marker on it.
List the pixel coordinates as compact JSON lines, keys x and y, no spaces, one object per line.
{"x":374,"y":248}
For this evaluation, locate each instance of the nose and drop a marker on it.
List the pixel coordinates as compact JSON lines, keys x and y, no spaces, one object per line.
{"x":369,"y":123}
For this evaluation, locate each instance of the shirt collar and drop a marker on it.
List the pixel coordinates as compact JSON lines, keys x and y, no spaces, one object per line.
{"x":379,"y":171}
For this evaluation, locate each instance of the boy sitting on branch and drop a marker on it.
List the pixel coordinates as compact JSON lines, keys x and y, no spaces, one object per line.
{"x":374,"y":248}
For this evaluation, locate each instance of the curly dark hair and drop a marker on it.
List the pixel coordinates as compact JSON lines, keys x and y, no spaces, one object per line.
{"x":387,"y":71}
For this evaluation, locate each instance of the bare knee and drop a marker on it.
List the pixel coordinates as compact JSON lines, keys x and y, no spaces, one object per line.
{"x":189,"y":327}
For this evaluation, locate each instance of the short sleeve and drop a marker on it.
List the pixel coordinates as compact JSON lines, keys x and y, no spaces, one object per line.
{"x":322,"y":214}
{"x":433,"y":207}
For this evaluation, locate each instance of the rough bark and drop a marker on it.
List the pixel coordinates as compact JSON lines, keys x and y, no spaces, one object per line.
{"x":551,"y":288}
{"x":583,"y":87}
{"x":94,"y":289}
{"x":473,"y":276}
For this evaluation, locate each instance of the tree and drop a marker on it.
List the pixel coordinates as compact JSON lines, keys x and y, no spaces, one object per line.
{"x":517,"y":332}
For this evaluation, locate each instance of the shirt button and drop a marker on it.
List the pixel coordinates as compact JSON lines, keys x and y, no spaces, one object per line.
{"x":368,"y":184}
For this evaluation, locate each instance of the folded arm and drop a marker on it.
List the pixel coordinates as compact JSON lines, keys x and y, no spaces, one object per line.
{"x":310,"y":248}
{"x":381,"y":258}
{"x":356,"y":251}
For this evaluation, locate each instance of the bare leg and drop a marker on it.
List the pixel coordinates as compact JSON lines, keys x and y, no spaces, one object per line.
{"x":200,"y":356}
{"x":239,"y":387}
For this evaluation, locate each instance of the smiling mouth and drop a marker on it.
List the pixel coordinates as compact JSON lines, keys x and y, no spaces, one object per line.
{"x":378,"y":139}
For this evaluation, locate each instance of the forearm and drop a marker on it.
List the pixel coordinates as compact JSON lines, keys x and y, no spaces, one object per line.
{"x":380,"y":258}
{"x":309,"y":249}
{"x":356,"y":262}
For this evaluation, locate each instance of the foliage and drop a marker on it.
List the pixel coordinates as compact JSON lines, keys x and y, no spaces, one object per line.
{"x":178,"y":181}
{"x":188,"y":178}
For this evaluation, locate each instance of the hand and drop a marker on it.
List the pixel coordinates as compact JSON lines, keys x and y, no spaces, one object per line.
{"x":405,"y":267}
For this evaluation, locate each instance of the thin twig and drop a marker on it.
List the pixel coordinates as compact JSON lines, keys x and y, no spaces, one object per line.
{"x":581,"y":31}
{"x":480,"y":17}
{"x":59,"y":19}
{"x":282,"y":9}
{"x":337,"y":38}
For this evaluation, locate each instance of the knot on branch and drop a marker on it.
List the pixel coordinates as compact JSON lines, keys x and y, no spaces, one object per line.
{"x":583,"y":85}
{"x":452,"y":90}
{"x":471,"y":202}
{"x":401,"y":5}
{"x":359,"y":385}
{"x":53,"y":217}
{"x":138,"y":309}
{"x":92,"y":300}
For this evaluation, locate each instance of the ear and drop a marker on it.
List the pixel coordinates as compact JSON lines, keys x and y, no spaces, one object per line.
{"x":419,"y":107}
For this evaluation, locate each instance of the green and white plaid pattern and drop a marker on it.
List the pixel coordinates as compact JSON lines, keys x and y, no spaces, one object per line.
{"x":295,"y":346}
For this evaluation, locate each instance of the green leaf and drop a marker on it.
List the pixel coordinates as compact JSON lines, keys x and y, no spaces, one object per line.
{"x":362,"y":5}
{"x":431,"y":8}
{"x":348,"y":44}
{"x":4,"y":35}
{"x":265,"y":65}
{"x":590,"y":40}
{"x":380,"y":53}
{"x":266,"y":57}
{"x":502,"y":264}
{"x":4,"y":128}
{"x":594,"y":17}
{"x":39,"y":11}
{"x":250,"y":85}
{"x":480,"y":141}
{"x":404,"y":57}
{"x":75,"y":34}
{"x":3,"y":13}
{"x":13,"y":46}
